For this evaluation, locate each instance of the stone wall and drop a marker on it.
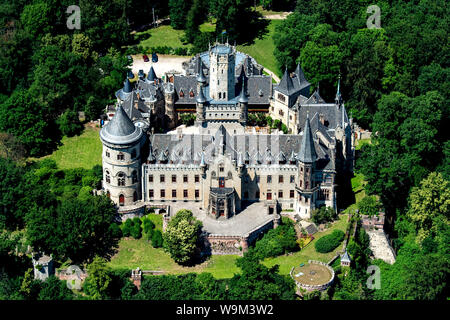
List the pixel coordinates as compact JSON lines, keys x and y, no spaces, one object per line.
{"x":320,"y":287}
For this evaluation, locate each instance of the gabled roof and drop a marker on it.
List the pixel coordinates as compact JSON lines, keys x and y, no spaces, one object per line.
{"x":315,"y":97}
{"x":307,"y":151}
{"x":120,"y":130}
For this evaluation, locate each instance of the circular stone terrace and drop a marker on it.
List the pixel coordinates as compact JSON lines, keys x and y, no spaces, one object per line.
{"x":313,"y":275}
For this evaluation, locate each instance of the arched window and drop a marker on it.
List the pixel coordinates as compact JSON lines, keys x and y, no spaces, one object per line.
{"x":107,"y":177}
{"x":135,"y":197}
{"x":120,"y":156}
{"x":121,"y":200}
{"x":220,"y":95}
{"x":134,"y":176}
{"x":121,"y":179}
{"x":224,"y":95}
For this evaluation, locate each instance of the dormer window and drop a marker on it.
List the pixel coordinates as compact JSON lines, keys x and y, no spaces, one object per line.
{"x":181,"y":93}
{"x":191,"y":93}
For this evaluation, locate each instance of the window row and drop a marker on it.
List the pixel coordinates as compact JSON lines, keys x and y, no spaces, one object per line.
{"x":121,"y":155}
{"x":280,"y":179}
{"x":162,"y":193}
{"x":162,"y":178}
{"x":121,"y":178}
{"x":269,"y":194}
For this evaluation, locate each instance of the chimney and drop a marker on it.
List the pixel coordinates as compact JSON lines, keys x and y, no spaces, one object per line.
{"x":322,"y":118}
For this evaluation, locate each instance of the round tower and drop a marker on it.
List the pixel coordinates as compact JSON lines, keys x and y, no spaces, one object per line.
{"x":121,"y":159}
{"x":222,"y":59}
{"x":169,"y":98}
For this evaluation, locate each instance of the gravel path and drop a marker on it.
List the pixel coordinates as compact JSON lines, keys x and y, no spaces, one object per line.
{"x":165,"y":63}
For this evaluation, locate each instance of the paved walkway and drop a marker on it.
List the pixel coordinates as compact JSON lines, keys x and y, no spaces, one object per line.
{"x":380,"y":246}
{"x":165,"y":63}
{"x":252,"y":217}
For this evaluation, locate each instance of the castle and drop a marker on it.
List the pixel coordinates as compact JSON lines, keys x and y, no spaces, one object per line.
{"x":219,"y":165}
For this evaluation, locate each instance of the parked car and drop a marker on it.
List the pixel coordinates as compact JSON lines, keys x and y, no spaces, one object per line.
{"x":154,"y":57}
{"x":145,"y":57}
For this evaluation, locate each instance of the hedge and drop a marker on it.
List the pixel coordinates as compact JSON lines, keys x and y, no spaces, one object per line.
{"x":329,"y":242}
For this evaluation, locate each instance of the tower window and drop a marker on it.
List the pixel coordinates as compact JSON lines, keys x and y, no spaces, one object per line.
{"x":108,"y":154}
{"x":120,"y":156}
{"x":134,"y":177}
{"x":220,"y":95}
{"x":121,"y":179}
{"x":107,"y":177}
{"x":292,"y":179}
{"x":133,"y":153}
{"x":224,"y":95}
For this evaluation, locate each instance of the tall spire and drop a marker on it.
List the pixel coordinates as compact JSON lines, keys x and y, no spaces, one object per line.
{"x":338,"y":99}
{"x":307,"y":151}
{"x":243,"y":97}
{"x":200,"y":75}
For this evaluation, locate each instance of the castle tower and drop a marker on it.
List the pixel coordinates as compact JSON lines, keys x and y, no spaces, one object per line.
{"x":121,"y":159}
{"x":222,"y":60}
{"x":243,"y":104}
{"x":200,"y":99}
{"x":307,"y":157}
{"x":169,"y":98}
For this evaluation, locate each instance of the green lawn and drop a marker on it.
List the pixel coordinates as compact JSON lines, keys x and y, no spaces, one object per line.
{"x":309,"y":253}
{"x":139,"y":253}
{"x":362,"y":142}
{"x":83,"y":151}
{"x":262,"y":49}
{"x":162,"y":36}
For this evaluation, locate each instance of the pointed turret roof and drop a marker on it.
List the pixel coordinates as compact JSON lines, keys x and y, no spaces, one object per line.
{"x":307,"y":151}
{"x":286,"y":86}
{"x":240,"y":161}
{"x":151,"y":74}
{"x":243,"y":97}
{"x":200,"y":96}
{"x":120,"y":130}
{"x":346,"y":257}
{"x":258,"y":157}
{"x":338,"y":99}
{"x":200,"y":75}
{"x":162,"y":156}
{"x":130,"y":74}
{"x":127,"y":86}
{"x":292,"y":157}
{"x":151,"y":157}
{"x":281,"y":157}
{"x":202,"y":161}
{"x":300,"y":75}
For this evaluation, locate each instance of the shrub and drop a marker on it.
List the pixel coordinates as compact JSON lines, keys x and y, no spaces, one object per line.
{"x":126,"y":227}
{"x":277,"y":242}
{"x":136,"y":230}
{"x":329,"y":242}
{"x":157,"y":239}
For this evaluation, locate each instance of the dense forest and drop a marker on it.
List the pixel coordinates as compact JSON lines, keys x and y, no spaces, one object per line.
{"x":395,"y":81}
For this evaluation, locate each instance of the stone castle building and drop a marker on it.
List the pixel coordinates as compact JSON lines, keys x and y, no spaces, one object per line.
{"x":217,"y":165}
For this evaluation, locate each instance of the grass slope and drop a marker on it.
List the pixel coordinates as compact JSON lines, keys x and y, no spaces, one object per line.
{"x":262,"y":49}
{"x":162,"y":36}
{"x":83,"y":151}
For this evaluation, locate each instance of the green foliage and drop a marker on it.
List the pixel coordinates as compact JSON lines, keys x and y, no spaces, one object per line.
{"x":55,"y":289}
{"x":329,"y":242}
{"x":182,"y":236}
{"x":257,"y":282}
{"x":88,"y":228}
{"x":69,"y":124}
{"x":157,"y":239}
{"x":178,"y":10}
{"x":96,"y":285}
{"x":324,"y":214}
{"x":369,"y":206}
{"x":276,"y":242}
{"x":187,"y":119}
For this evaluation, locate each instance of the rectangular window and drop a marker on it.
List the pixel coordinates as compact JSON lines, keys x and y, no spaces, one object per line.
{"x":280,"y":194}
{"x":150,"y":193}
{"x":108,"y":154}
{"x":185,"y":193}
{"x":291,"y":194}
{"x":174,"y":193}
{"x":150,"y":178}
{"x":269,"y":179}
{"x":163,"y":193}
{"x":292,"y":179}
{"x":185,"y":178}
{"x":269,"y":195}
{"x":162,"y":178}
{"x":221,"y":169}
{"x":174,"y":178}
{"x":280,"y":179}
{"x":197,"y":178}
{"x":197,"y":193}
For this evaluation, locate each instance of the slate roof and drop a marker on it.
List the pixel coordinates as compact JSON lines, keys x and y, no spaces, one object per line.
{"x":345,"y":257}
{"x":292,"y":86}
{"x":120,"y":130}
{"x":256,"y":149}
{"x":123,"y":93}
{"x":151,"y":74}
{"x":307,"y":151}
